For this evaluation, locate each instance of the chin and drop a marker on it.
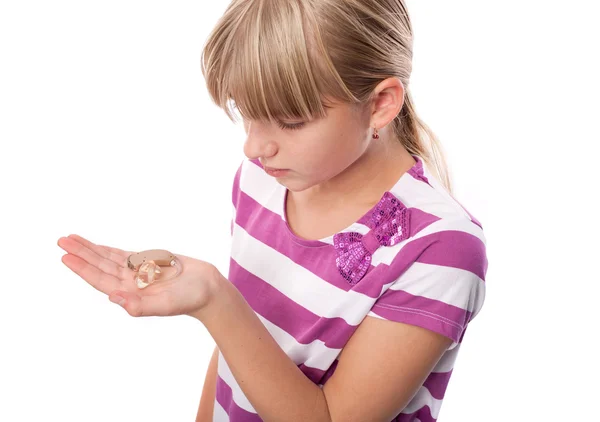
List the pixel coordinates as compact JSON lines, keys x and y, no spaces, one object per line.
{"x":295,"y":186}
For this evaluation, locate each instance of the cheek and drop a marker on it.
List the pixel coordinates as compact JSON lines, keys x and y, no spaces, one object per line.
{"x":330,"y":157}
{"x":344,"y":148}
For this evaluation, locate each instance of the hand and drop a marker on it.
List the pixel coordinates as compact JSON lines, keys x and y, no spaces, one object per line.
{"x":105,"y":269}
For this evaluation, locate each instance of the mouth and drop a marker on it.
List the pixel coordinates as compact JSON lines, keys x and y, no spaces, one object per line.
{"x":275,"y":172}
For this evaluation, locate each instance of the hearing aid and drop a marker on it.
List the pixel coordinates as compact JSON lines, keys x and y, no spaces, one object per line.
{"x":147,"y":266}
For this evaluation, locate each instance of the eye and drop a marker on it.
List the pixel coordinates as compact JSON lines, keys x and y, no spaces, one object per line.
{"x":290,"y":127}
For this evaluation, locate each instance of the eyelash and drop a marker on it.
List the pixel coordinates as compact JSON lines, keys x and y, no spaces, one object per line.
{"x":284,"y":126}
{"x":290,"y":127}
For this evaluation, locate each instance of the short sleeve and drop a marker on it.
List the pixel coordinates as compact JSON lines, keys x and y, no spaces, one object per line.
{"x":443,"y":289}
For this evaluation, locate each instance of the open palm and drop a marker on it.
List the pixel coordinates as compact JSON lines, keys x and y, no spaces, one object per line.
{"x":105,"y":269}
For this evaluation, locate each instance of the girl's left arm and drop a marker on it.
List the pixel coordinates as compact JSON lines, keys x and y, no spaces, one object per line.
{"x":380,"y":370}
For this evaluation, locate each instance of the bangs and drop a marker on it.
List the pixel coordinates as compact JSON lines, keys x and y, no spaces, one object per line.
{"x":257,"y":61}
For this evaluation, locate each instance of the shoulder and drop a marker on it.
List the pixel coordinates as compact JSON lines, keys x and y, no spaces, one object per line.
{"x":435,"y":277}
{"x":438,"y":221}
{"x":445,"y":243}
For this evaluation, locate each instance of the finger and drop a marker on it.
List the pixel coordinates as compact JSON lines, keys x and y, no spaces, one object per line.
{"x":116,"y":255}
{"x":105,"y":265}
{"x":97,"y":279}
{"x":144,"y":305}
{"x":121,"y":254}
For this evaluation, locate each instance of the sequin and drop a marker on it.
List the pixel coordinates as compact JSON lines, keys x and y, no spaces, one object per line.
{"x":388,"y":222}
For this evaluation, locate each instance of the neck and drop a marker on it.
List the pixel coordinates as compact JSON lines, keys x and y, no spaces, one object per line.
{"x":365,"y":180}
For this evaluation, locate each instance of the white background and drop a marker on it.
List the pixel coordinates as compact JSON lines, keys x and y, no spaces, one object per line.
{"x":102,"y":103}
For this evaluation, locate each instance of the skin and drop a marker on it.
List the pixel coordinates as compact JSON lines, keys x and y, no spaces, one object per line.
{"x":391,"y":358}
{"x":337,"y":172}
{"x":331,"y":158}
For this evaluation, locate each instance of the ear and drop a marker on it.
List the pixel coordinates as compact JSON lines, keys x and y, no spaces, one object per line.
{"x":387,"y":100}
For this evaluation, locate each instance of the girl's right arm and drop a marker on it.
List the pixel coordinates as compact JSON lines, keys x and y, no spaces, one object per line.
{"x":207,"y":399}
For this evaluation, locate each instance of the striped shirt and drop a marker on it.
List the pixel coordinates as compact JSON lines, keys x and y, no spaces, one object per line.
{"x":432,"y":278}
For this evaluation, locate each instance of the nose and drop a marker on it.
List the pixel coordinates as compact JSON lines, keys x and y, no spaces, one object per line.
{"x":258,"y":141}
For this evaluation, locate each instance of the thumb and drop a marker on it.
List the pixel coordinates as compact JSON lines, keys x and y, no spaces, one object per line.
{"x":128,"y":301}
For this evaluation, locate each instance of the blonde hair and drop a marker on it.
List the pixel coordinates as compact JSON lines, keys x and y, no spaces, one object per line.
{"x":283,"y":59}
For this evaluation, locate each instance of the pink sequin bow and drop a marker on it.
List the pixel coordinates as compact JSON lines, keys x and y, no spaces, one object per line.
{"x":389,"y":223}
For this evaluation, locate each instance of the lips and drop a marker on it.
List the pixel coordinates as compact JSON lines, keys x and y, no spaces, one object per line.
{"x":275,"y":172}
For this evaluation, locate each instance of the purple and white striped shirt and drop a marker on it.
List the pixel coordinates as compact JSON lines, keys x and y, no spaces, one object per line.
{"x":433,"y":278}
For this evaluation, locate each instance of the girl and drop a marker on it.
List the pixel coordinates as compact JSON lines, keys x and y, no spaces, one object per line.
{"x":354,"y":272}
